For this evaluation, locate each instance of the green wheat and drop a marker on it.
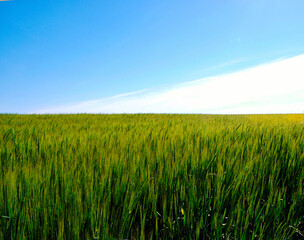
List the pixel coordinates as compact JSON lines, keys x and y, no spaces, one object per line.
{"x":150,"y":176}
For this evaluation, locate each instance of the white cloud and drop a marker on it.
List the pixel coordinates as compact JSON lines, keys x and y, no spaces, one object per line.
{"x":276,"y":87}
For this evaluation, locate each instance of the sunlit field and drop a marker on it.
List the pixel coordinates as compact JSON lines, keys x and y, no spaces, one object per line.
{"x":151,"y":176}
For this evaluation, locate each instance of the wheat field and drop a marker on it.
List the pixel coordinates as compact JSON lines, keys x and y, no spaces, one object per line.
{"x":151,"y":176}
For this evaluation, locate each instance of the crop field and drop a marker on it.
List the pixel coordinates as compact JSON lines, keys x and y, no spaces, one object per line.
{"x":151,"y":176}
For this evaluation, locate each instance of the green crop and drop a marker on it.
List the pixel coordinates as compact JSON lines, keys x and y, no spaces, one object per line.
{"x":151,"y":176}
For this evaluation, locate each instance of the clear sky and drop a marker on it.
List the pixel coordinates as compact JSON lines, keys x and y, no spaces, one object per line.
{"x":55,"y":54}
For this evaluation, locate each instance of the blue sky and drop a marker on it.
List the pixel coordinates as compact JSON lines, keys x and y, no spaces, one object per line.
{"x":68,"y":53}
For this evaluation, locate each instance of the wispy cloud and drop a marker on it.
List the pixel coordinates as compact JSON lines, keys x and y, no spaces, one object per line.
{"x":276,"y":87}
{"x":220,"y":66}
